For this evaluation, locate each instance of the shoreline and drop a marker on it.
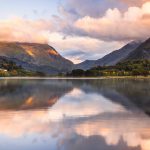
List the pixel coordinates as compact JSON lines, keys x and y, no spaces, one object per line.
{"x":76,"y":78}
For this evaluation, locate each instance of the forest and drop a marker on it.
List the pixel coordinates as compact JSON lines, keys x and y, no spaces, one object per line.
{"x":126,"y":68}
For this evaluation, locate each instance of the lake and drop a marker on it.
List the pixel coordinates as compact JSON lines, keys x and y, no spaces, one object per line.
{"x":61,"y":114}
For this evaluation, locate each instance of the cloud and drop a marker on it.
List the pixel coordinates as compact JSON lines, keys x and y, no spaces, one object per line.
{"x":91,"y":48}
{"x":94,"y":27}
{"x":58,"y":34}
{"x":94,"y":8}
{"x":114,"y":25}
{"x":19,"y":29}
{"x":78,"y":8}
{"x":134,"y":2}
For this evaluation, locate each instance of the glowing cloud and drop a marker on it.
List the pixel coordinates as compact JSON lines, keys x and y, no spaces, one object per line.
{"x":114,"y":25}
{"x":92,"y":30}
{"x":19,"y":29}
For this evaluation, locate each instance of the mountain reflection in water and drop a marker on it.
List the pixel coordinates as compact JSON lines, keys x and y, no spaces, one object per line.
{"x":104,"y":114}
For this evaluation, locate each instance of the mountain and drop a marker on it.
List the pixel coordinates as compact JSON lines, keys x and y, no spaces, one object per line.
{"x":85,"y":65}
{"x":111,"y":59}
{"x":116,"y":56}
{"x":35,"y":57}
{"x":141,"y":52}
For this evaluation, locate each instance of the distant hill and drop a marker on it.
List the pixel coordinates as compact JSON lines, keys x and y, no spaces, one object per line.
{"x":85,"y":65}
{"x":111,"y":59}
{"x":35,"y":57}
{"x":45,"y":59}
{"x":116,"y":56}
{"x":141,"y":52}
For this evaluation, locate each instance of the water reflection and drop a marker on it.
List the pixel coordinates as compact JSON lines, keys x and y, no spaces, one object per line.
{"x":74,"y":114}
{"x":31,"y":94}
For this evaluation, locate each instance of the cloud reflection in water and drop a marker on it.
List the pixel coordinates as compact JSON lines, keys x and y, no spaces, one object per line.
{"x":78,"y":119}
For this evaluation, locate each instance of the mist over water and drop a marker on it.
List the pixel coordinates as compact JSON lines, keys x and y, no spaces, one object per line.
{"x":107,"y":114}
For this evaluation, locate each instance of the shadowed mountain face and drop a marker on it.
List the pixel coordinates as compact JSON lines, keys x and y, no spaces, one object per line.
{"x":111,"y":59}
{"x":85,"y":65}
{"x":141,"y":52}
{"x":118,"y":55}
{"x":35,"y":57}
{"x":131,"y":51}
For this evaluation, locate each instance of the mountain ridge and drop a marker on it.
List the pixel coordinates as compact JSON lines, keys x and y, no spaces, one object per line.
{"x":44,"y":58}
{"x":141,"y":52}
{"x":35,"y":57}
{"x":110,"y":59}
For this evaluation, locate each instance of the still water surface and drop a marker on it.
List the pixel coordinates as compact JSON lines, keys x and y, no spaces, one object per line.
{"x":108,"y":114}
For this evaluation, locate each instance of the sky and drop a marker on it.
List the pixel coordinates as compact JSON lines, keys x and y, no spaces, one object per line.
{"x":77,"y":29}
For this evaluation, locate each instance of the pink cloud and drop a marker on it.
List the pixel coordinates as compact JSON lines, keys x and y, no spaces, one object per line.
{"x":18,"y":29}
{"x":133,"y":24}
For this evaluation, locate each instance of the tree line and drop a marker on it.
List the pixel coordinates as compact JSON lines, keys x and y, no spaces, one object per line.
{"x":126,"y":68}
{"x":9,"y":68}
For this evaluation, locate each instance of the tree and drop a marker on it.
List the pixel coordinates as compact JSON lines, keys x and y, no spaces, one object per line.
{"x":78,"y":72}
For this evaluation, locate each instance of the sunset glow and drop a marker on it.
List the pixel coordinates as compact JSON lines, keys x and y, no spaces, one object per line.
{"x":105,"y":23}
